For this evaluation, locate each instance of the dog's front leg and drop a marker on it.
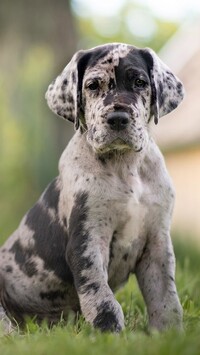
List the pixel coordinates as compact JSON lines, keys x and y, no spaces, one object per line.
{"x":155,"y":273}
{"x":88,"y":256}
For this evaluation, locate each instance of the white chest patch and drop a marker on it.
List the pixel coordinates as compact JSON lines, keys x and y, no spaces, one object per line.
{"x":134,"y":226}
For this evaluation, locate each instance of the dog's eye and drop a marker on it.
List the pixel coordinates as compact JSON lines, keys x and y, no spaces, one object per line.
{"x":93,"y":85}
{"x":140,"y":83}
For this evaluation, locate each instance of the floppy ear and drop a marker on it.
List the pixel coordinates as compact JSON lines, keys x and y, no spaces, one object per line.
{"x":64,"y":93}
{"x":167,"y":89}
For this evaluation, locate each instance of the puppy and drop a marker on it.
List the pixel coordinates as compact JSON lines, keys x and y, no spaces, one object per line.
{"x":108,"y":213}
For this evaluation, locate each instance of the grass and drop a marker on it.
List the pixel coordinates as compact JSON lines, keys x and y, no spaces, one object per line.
{"x":78,"y":337}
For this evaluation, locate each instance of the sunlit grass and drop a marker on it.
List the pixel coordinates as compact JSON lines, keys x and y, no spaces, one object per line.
{"x":77,"y":337}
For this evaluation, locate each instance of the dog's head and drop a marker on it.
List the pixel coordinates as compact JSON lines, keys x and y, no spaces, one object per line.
{"x":112,"y":92}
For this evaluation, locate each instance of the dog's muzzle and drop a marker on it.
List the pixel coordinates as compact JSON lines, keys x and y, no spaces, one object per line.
{"x":118,"y":121}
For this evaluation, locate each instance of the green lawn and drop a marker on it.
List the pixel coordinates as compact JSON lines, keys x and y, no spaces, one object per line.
{"x":80,"y":338}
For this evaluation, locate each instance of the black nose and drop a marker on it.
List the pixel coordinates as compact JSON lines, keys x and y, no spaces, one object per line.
{"x":118,"y":120}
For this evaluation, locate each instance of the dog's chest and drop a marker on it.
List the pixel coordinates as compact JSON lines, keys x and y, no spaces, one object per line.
{"x":127,"y":242}
{"x":134,"y":219}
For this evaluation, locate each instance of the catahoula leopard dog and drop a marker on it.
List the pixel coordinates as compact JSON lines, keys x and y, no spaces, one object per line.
{"x":108,"y":213}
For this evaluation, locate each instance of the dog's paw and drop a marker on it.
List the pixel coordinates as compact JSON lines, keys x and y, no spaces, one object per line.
{"x":109,"y":317}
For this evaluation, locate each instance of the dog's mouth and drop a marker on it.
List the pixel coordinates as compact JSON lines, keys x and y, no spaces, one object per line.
{"x":117,"y":144}
{"x":104,"y":141}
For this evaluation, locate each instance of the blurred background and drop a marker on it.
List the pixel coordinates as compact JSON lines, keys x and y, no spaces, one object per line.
{"x":38,"y":38}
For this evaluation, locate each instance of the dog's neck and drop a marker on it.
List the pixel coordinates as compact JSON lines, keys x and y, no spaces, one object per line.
{"x":119,"y":162}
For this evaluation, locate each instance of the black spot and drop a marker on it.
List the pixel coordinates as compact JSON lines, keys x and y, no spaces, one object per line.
{"x":161,"y":96}
{"x":106,"y":319}
{"x":43,"y":276}
{"x":65,"y":221}
{"x":82,"y":65}
{"x":31,"y":268}
{"x":70,"y":98}
{"x":22,"y":258}
{"x":170,"y":255}
{"x":125,"y":257}
{"x":113,"y":240}
{"x":51,"y":195}
{"x":143,"y":100}
{"x":175,"y":310}
{"x":8,"y":268}
{"x":64,"y":84}
{"x":92,"y":287}
{"x":179,"y":88}
{"x":108,"y":99}
{"x":53,"y":295}
{"x":80,"y":283}
{"x":101,"y":159}
{"x":111,"y":84}
{"x":94,"y":130}
{"x":172,"y":105}
{"x":63,"y":98}
{"x":78,"y":216}
{"x":98,"y":54}
{"x":73,"y":77}
{"x":78,"y":239}
{"x":50,"y":240}
{"x":59,"y":110}
{"x":135,"y":63}
{"x":107,"y":61}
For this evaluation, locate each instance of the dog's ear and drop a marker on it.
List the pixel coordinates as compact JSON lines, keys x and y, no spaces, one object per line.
{"x":167,"y":89}
{"x":64,"y":93}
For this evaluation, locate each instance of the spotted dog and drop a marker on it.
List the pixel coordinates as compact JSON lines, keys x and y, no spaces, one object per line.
{"x":108,"y":213}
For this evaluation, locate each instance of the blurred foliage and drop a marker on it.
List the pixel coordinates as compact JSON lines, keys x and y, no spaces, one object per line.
{"x":24,"y":132}
{"x":133,"y":23}
{"x":31,"y":138}
{"x":37,"y":39}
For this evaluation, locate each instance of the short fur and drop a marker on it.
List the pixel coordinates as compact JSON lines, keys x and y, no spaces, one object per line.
{"x":108,"y":213}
